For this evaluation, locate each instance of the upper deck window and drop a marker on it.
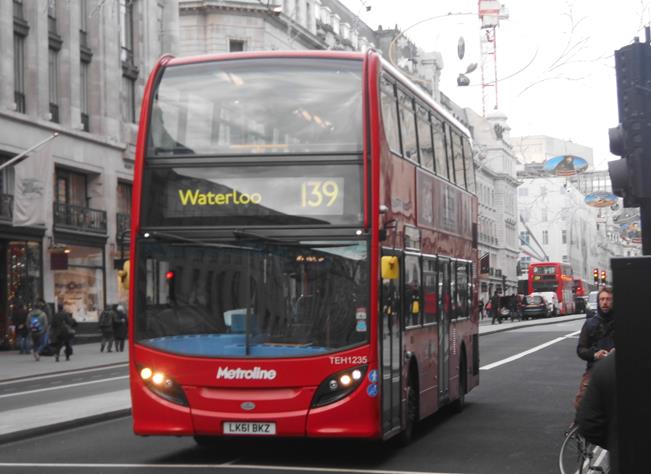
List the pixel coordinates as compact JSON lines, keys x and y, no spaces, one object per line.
{"x":258,"y":106}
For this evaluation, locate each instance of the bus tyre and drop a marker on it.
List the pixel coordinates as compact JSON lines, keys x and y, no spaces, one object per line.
{"x":411,"y":415}
{"x":460,"y":403}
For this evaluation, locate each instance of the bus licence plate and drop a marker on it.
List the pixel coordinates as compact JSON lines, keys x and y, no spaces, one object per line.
{"x":259,"y":429}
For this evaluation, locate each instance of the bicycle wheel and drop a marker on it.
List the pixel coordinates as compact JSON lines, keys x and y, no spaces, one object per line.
{"x":574,"y":457}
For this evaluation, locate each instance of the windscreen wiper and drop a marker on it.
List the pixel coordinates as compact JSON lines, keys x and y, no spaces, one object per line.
{"x":166,"y":236}
{"x":246,"y":235}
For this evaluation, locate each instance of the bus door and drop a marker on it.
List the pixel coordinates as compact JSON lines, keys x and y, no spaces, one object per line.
{"x":445,"y":306}
{"x":391,"y":339}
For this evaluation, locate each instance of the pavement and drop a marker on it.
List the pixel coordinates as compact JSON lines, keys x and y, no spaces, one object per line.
{"x":49,"y":417}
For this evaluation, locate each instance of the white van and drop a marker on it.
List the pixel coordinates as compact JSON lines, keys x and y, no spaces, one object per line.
{"x":553,"y":307}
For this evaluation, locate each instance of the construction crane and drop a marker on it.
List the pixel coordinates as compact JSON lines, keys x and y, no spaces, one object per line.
{"x":490,"y":14}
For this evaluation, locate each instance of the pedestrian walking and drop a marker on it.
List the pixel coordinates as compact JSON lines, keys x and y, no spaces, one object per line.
{"x":481,"y":309}
{"x":37,"y":323}
{"x":106,"y":328}
{"x":62,"y":332}
{"x":120,"y":327}
{"x":19,"y":320}
{"x":495,"y":308}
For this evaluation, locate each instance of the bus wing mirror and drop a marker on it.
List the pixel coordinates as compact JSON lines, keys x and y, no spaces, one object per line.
{"x":123,"y":276}
{"x":390,"y":267}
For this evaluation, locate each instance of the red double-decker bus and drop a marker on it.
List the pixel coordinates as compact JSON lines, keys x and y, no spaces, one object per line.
{"x":303,"y":251}
{"x":556,"y":277}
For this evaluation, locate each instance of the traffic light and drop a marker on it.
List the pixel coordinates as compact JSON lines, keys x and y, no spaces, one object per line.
{"x":170,"y":276}
{"x":603,"y":277}
{"x":595,"y":275}
{"x":631,"y":139}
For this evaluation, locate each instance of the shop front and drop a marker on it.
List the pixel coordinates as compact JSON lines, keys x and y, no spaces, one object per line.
{"x":21,"y":279}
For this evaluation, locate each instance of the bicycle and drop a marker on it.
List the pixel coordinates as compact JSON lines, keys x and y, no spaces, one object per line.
{"x":578,"y":456}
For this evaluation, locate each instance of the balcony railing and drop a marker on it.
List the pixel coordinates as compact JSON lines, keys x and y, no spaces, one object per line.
{"x":79,"y":218}
{"x":6,"y":207}
{"x":123,"y":225}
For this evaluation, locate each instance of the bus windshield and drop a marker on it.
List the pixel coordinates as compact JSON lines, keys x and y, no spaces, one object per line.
{"x":252,"y":297}
{"x":258,"y":106}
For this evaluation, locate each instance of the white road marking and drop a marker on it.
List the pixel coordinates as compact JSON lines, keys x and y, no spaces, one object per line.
{"x":214,"y":466}
{"x":527,"y":352}
{"x":58,"y":387}
{"x":61,"y":374}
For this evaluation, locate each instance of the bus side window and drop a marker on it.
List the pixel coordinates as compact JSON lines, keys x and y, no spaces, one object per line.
{"x":430,"y":294}
{"x":469,"y":165}
{"x":425,"y":148}
{"x":407,"y":126}
{"x":441,"y":166}
{"x":390,"y":115}
{"x":462,"y":289}
{"x":413,"y":306}
{"x":448,"y":152}
{"x":457,"y":153}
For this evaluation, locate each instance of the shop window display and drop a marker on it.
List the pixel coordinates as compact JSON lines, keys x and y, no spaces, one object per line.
{"x":81,"y":286}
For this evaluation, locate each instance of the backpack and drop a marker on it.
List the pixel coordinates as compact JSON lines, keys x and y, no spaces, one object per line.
{"x":35,"y":323}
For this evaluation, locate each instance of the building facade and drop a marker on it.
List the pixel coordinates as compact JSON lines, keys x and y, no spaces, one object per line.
{"x":497,"y":185}
{"x":76,"y":68}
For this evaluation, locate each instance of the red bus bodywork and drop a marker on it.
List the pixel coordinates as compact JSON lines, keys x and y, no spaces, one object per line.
{"x":391,"y":195}
{"x":556,"y":277}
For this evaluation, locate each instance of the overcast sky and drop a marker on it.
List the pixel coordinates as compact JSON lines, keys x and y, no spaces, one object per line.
{"x":555,"y":62}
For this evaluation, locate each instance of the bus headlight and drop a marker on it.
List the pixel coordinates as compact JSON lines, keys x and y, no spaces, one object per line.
{"x":338,"y":385}
{"x":163,"y":386}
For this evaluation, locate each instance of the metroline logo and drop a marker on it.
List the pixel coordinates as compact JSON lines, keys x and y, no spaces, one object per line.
{"x":256,"y":373}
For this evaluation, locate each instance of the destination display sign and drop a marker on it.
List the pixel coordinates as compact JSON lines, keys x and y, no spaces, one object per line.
{"x":327,"y":194}
{"x":295,"y":196}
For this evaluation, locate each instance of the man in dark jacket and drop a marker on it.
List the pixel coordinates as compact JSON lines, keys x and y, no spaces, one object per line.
{"x":597,"y":416}
{"x":597,"y":338}
{"x":62,"y":332}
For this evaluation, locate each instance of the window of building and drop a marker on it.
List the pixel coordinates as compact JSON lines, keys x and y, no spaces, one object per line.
{"x":53,"y":83}
{"x":545,"y":237}
{"x":52,"y":16}
{"x":564,"y":236}
{"x":83,"y":95}
{"x":129,"y":106}
{"x":129,"y":69}
{"x":19,"y":72}
{"x":524,"y":237}
{"x":565,"y":259}
{"x":235,"y":46}
{"x":71,"y":188}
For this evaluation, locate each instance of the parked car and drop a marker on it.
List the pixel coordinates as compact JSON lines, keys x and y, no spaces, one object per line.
{"x":553,"y":307}
{"x":534,"y":306}
{"x":591,"y":305}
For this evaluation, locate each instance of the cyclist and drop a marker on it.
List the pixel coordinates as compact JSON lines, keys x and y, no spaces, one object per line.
{"x":596,"y":340}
